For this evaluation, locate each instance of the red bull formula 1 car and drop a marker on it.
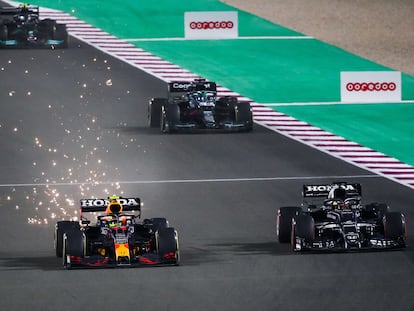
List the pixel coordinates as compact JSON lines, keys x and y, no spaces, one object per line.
{"x":332,"y":217}
{"x":22,"y":27}
{"x":194,"y":105}
{"x":117,"y":238}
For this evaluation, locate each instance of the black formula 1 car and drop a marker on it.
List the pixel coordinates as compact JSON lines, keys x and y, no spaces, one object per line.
{"x":22,"y":27}
{"x":340,"y":221}
{"x":117,"y":238}
{"x":194,"y":105}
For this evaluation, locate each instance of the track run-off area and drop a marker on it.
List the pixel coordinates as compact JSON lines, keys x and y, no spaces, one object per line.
{"x":74,"y":126}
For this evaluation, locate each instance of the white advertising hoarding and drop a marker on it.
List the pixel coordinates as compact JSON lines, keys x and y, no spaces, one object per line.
{"x":211,"y":25}
{"x":370,"y":86}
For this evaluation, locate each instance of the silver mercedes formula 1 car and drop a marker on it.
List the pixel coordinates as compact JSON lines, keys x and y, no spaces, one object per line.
{"x":21,"y":27}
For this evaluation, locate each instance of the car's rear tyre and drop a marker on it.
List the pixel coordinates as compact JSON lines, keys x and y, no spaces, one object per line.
{"x":303,"y":228}
{"x":159,"y":223}
{"x":243,"y":114}
{"x":394,"y":226}
{"x":375,"y":210}
{"x":154,"y":111}
{"x":156,"y":223}
{"x":224,"y":108}
{"x":73,"y":245}
{"x":167,"y":244}
{"x":284,"y":222}
{"x":170,"y":115}
{"x":60,"y":228}
{"x":4,"y":33}
{"x":59,"y":32}
{"x":46,"y":27}
{"x":227,"y":102}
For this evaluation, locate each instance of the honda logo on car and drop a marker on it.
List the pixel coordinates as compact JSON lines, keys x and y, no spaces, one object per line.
{"x":211,"y":25}
{"x":371,"y":86}
{"x":326,"y":188}
{"x":105,"y":202}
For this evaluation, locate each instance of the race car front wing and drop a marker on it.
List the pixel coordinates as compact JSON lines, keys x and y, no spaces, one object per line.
{"x":96,"y":261}
{"x":325,"y":244}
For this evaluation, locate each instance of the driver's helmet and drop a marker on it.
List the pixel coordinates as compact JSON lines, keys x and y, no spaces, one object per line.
{"x":195,"y":99}
{"x":114,"y":207}
{"x":337,"y":193}
{"x":334,"y":204}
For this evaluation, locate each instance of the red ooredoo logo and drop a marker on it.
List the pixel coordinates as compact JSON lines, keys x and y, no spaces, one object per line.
{"x":370,"y":86}
{"x":211,"y":25}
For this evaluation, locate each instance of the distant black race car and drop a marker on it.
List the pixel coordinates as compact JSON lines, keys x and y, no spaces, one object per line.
{"x":340,"y":221}
{"x":117,"y":239}
{"x":22,"y":27}
{"x":194,"y":105}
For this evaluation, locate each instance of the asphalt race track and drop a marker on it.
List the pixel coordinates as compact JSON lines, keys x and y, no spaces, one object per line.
{"x":73,"y":125}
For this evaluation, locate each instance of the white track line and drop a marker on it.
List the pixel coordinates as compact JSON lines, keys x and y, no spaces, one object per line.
{"x":188,"y":181}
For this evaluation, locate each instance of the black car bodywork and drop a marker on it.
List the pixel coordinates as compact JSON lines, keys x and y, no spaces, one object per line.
{"x":340,"y":221}
{"x":194,"y":105}
{"x":21,"y":27}
{"x":115,"y":240}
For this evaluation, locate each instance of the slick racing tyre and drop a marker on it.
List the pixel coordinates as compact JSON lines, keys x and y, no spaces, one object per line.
{"x":159,"y":223}
{"x":243,"y":113}
{"x":170,"y":116}
{"x":303,"y":228}
{"x":227,"y":102}
{"x":59,"y":32}
{"x":4,"y":33}
{"x":284,"y":222}
{"x":154,"y":111}
{"x":224,"y":108}
{"x":73,"y":245}
{"x":156,"y":223}
{"x":167,"y":244}
{"x":60,"y":229}
{"x":375,"y":210}
{"x":394,"y":226}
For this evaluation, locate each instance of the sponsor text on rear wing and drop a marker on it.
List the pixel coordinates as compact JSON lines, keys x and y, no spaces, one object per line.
{"x":99,"y":205}
{"x":322,"y":190}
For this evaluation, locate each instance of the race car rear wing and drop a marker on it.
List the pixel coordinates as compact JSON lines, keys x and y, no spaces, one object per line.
{"x":32,"y":9}
{"x":319,"y":191}
{"x":186,"y":86}
{"x":100,"y":205}
{"x":8,"y":13}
